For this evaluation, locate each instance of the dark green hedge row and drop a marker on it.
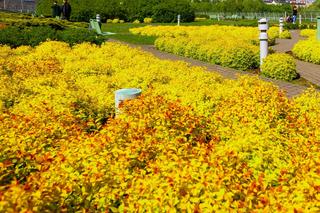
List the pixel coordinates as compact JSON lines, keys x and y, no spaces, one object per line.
{"x":128,"y":10}
{"x":16,"y":36}
{"x":22,"y":20}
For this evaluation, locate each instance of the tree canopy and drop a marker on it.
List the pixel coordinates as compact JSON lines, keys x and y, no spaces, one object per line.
{"x":129,"y":10}
{"x":238,"y":6}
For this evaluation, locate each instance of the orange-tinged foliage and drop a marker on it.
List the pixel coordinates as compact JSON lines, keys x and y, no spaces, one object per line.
{"x":2,"y":26}
{"x":192,"y":142}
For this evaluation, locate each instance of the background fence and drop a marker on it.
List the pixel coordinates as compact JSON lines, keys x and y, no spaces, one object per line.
{"x":27,"y":6}
{"x":305,"y":16}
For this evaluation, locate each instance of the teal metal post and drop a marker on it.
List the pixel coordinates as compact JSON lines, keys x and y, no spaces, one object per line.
{"x":318,"y":28}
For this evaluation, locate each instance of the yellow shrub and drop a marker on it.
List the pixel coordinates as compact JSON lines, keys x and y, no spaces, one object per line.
{"x":279,"y":66}
{"x":199,"y":19}
{"x":310,"y":33}
{"x":147,"y":20}
{"x":115,"y":21}
{"x":192,"y":142}
{"x":136,"y":21}
{"x":308,"y":50}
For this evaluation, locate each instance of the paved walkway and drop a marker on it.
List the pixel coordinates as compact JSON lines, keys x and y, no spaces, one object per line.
{"x":308,"y":71}
{"x":291,"y":89}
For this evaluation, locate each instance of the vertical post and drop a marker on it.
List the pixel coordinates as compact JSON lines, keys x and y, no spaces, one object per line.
{"x":4,"y":4}
{"x":318,"y":28}
{"x":125,"y":94}
{"x":178,"y":20}
{"x":263,"y":27}
{"x":98,"y":19}
{"x":280,"y":25}
{"x":218,"y":17}
{"x":300,"y":19}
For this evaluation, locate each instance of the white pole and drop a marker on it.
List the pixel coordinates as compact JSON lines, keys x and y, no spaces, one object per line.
{"x":98,"y":18}
{"x":263,"y":27}
{"x":280,"y":25}
{"x":300,"y":21}
{"x":178,"y":20}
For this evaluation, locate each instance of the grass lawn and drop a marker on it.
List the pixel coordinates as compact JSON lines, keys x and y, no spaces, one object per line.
{"x":123,"y":34}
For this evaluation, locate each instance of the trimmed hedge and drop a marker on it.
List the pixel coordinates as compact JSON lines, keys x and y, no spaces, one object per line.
{"x":279,"y":66}
{"x":32,"y":36}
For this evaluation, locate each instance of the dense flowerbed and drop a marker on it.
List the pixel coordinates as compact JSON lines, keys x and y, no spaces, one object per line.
{"x":309,"y":49}
{"x":193,"y":142}
{"x":235,"y":47}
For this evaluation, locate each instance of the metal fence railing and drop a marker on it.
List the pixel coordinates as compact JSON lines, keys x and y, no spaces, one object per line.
{"x":305,"y":16}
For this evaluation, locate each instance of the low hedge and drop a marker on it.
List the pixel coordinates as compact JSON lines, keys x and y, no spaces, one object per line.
{"x":26,"y":20}
{"x":279,"y":66}
{"x":307,"y":50}
{"x":16,"y":36}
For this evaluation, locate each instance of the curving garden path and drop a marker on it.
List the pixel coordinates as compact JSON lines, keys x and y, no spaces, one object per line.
{"x":310,"y":72}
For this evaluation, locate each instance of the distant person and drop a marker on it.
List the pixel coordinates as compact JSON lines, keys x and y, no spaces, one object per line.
{"x":56,"y":10}
{"x":294,"y":14}
{"x":288,"y":19}
{"x":66,"y":10}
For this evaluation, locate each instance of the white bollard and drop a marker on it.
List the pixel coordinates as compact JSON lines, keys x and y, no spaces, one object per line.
{"x":178,"y":20}
{"x":98,"y":18}
{"x":125,"y":94}
{"x":218,"y":17}
{"x":263,"y":27}
{"x":280,"y":25}
{"x":300,"y":21}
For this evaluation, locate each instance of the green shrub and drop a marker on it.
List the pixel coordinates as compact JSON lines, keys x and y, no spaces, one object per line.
{"x":18,"y":20}
{"x":167,"y":11}
{"x":129,"y":10}
{"x":279,"y":66}
{"x":285,"y":34}
{"x":74,"y":36}
{"x":15,"y":36}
